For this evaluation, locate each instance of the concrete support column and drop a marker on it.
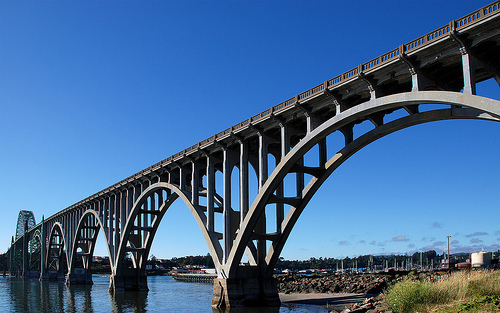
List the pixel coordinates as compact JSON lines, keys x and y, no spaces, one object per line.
{"x":348,"y":133}
{"x":141,"y":218}
{"x":210,"y":193}
{"x":130,"y":202}
{"x":119,"y":222}
{"x":312,"y":122}
{"x":79,"y":276}
{"x":414,"y":82}
{"x":226,"y":206}
{"x":105,"y":215}
{"x":128,"y":280}
{"x":195,"y":177}
{"x":71,"y":233}
{"x":244,"y":202}
{"x":418,"y":79}
{"x":182,"y":178}
{"x":263,"y":175}
{"x":468,"y":72}
{"x":137,"y":190}
{"x":323,"y":153}
{"x":300,"y":179}
{"x":245,"y":292}
{"x":284,"y":149}
{"x":160,"y":198}
{"x":263,"y":165}
{"x":110,"y":222}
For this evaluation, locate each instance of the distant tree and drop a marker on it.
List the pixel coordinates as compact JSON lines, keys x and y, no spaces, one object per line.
{"x":3,"y":262}
{"x":152,"y":260}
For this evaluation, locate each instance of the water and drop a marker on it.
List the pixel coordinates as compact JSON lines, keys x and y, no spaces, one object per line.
{"x":165,"y":295}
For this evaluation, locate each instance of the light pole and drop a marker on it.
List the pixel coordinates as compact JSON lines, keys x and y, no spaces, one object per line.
{"x":448,"y":237}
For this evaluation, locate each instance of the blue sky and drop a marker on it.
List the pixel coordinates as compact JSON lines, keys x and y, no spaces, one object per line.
{"x":92,"y":92}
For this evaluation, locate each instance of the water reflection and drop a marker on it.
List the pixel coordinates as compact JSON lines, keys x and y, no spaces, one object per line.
{"x":78,"y":298}
{"x":130,"y":301}
{"x":165,"y":295}
{"x":32,"y":296}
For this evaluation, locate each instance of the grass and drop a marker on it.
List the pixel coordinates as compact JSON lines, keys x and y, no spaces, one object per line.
{"x":466,"y":291}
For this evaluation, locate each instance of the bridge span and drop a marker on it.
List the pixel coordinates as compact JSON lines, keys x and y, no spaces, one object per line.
{"x":286,"y":148}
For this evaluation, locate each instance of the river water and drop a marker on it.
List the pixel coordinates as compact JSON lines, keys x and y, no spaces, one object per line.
{"x":165,"y":295}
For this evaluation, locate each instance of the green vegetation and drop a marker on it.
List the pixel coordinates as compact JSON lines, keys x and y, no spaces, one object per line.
{"x":202,"y":260}
{"x":3,"y":262}
{"x":470,"y":291}
{"x":364,"y":261}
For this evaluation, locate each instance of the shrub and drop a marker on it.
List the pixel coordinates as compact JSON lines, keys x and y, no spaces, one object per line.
{"x":473,"y":291}
{"x":407,"y":295}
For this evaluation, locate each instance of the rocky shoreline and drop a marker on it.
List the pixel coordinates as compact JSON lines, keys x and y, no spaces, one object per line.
{"x":370,"y":286}
{"x":370,"y":305}
{"x":349,"y":283}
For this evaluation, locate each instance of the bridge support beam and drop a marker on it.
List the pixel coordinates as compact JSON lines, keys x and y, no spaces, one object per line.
{"x":128,"y":281}
{"x":245,"y":292}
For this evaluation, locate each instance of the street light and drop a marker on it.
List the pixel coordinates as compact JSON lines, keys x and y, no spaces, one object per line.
{"x":448,"y":237}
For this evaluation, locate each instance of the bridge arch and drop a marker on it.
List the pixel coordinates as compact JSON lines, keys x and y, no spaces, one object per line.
{"x":25,"y":221}
{"x":141,"y":226}
{"x":56,"y":257}
{"x":35,"y":249}
{"x":462,"y":106}
{"x":84,"y":244}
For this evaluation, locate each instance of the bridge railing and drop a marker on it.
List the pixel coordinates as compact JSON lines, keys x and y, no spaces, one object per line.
{"x":444,"y":31}
{"x":284,"y":105}
{"x":477,"y":15}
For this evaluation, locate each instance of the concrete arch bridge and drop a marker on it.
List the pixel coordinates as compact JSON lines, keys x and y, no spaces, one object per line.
{"x":287,"y":149}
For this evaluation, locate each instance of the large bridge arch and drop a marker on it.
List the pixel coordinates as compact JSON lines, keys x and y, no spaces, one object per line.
{"x":35,"y":249}
{"x":25,"y":221}
{"x":462,"y":106}
{"x":84,"y":243}
{"x":152,"y":203}
{"x":56,"y":257}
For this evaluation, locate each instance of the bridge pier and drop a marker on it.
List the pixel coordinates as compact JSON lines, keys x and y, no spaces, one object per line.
{"x":31,"y":274}
{"x":79,"y":276}
{"x":128,"y":280}
{"x":245,"y":292}
{"x":51,"y":275}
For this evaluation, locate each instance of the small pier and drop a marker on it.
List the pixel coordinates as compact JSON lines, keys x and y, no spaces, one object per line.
{"x":198,"y":277}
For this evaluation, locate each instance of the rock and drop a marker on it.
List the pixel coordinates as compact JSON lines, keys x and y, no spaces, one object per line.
{"x":349,"y":283}
{"x":370,"y":305}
